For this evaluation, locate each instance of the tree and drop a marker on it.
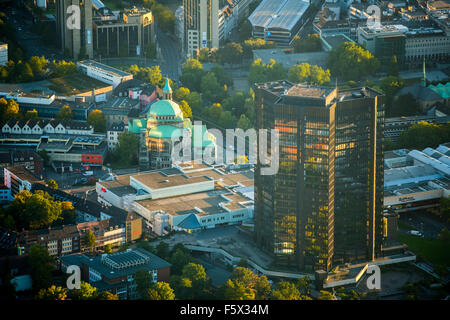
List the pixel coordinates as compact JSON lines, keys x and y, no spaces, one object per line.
{"x":181,"y":93}
{"x":303,"y":285}
{"x":350,"y":61}
{"x":325,"y":295}
{"x":34,"y":210}
{"x":191,"y":74}
{"x":231,"y":53}
{"x":424,"y":134}
{"x":260,"y":72}
{"x":68,"y":213}
{"x":256,"y":286}
{"x":393,"y":67}
{"x":86,"y":292}
{"x":9,"y":109}
{"x":182,"y":287}
{"x":275,"y":71}
{"x":311,"y":43}
{"x":194,"y":100}
{"x":89,"y":239}
{"x":41,"y":267}
{"x":232,"y":290}
{"x":150,"y":51}
{"x":31,"y":115}
{"x":404,"y":105}
{"x":211,"y":88}
{"x":319,"y":76}
{"x":106,"y":295}
{"x":126,"y":152}
{"x":285,"y":290}
{"x":65,"y":113}
{"x":243,"y":123}
{"x":108,"y":248}
{"x":144,"y":282}
{"x":222,"y":76}
{"x":52,"y":293}
{"x":38,"y":64}
{"x":179,"y":259}
{"x":45,"y":156}
{"x":227,"y":120}
{"x":299,"y":73}
{"x":162,"y":250}
{"x":52,"y":184}
{"x":161,"y":291}
{"x":187,"y":112}
{"x":390,"y":86}
{"x":97,"y":120}
{"x":196,"y":274}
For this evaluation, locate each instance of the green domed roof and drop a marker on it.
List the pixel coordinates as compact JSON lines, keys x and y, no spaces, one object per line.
{"x":165,"y":108}
{"x":165,"y":132}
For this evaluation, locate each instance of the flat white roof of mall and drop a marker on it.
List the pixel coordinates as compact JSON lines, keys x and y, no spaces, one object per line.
{"x":104,"y":67}
{"x":281,"y":14}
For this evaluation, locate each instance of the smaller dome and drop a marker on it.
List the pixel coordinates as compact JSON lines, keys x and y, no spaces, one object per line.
{"x":165,"y":108}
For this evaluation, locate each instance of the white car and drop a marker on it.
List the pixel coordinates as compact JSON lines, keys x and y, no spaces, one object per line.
{"x":415,"y":233}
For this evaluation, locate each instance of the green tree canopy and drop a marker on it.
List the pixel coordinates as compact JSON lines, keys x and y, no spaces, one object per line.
{"x":285,"y":290}
{"x":86,"y":292}
{"x":31,"y":115}
{"x":41,"y":267}
{"x":191,"y":74}
{"x":310,"y":43}
{"x":65,"y":113}
{"x":96,"y":118}
{"x":161,"y":291}
{"x":89,"y":239}
{"x":350,"y":61}
{"x":231,"y":53}
{"x":52,"y":293}
{"x":144,"y":281}
{"x":52,"y":184}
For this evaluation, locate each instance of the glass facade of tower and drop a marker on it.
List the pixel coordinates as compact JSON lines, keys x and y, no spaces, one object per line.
{"x":321,"y":207}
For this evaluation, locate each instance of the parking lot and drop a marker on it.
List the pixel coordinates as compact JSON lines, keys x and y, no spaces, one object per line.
{"x":423,"y":222}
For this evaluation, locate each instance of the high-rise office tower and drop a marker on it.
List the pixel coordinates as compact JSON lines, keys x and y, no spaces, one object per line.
{"x":75,"y":37}
{"x":201,"y":25}
{"x":324,"y":206}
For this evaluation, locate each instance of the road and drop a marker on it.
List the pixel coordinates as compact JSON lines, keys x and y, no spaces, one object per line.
{"x":33,"y":45}
{"x":170,"y":57}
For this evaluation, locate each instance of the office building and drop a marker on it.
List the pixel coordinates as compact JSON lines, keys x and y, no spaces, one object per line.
{"x":75,"y":37}
{"x":115,"y":272}
{"x":324,"y":206}
{"x":129,"y":34}
{"x":3,"y":54}
{"x":18,"y":178}
{"x":201,"y":25}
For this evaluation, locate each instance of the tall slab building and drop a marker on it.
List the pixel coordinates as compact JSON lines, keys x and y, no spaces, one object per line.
{"x":201,"y":25}
{"x":75,"y":37}
{"x":324,"y":206}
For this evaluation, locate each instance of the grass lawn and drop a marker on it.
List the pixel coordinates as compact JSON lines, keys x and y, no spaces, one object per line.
{"x":404,"y":226}
{"x":116,"y":5}
{"x":74,"y":84}
{"x":434,"y":250}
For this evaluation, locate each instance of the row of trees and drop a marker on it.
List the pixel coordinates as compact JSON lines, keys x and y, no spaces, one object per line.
{"x":163,"y":15}
{"x":350,"y":61}
{"x":207,"y":94}
{"x":233,"y":52}
{"x":36,"y":68}
{"x":422,"y":135}
{"x":36,"y":210}
{"x":310,"y":43}
{"x":304,"y":72}
{"x":86,"y":292}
